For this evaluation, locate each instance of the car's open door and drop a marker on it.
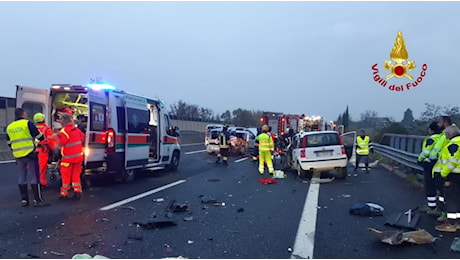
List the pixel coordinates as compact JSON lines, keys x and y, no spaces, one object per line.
{"x":33,"y":100}
{"x":349,"y":142}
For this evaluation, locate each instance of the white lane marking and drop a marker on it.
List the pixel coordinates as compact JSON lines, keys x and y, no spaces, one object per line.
{"x":199,"y":151}
{"x":305,"y":238}
{"x":240,"y":160}
{"x":191,"y":144}
{"x":122,"y":202}
{"x":12,"y":161}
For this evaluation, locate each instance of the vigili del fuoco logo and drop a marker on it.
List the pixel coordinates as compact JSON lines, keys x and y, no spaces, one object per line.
{"x":399,"y":67}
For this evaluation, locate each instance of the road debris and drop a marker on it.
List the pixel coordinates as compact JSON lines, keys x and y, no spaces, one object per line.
{"x":239,"y":210}
{"x":134,"y":237}
{"x":130,"y":208}
{"x":188,"y":218}
{"x":86,"y":256}
{"x":156,"y":224}
{"x":214,"y":202}
{"x":213,"y":180}
{"x":174,"y":206}
{"x":398,"y":237}
{"x":278,"y":174}
{"x":27,"y":255}
{"x":56,"y":253}
{"x":39,"y":230}
{"x":455,"y":246}
{"x":267,"y":181}
{"x":190,"y":242}
{"x":289,"y":249}
{"x":366,"y":209}
{"x":345,"y":196}
{"x":158,"y":200}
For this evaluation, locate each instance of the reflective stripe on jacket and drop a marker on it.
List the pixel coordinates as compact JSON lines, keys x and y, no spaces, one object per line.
{"x":71,"y":139}
{"x":363,"y":145}
{"x":20,"y":139}
{"x":451,"y":157}
{"x":428,"y":144}
{"x":265,"y":142}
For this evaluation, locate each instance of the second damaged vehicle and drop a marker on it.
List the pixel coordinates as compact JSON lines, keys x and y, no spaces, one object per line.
{"x":320,"y":151}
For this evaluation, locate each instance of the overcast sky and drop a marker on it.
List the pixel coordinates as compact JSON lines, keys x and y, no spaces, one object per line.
{"x":291,"y":57}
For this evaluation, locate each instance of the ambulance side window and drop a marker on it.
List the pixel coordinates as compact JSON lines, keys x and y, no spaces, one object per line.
{"x":138,"y":120}
{"x":97,"y":117}
{"x":121,"y":119}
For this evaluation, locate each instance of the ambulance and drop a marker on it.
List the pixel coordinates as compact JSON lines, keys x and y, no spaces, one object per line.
{"x":123,"y":132}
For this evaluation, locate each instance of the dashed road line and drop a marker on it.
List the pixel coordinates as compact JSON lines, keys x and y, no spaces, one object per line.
{"x":240,"y":160}
{"x":305,"y":239}
{"x":199,"y":151}
{"x":131,"y":199}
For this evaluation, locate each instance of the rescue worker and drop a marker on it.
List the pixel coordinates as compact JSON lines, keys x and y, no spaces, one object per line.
{"x":44,"y":149}
{"x":450,"y":170}
{"x":255,"y":155}
{"x":266,"y":147}
{"x":21,"y":135}
{"x":71,"y":141}
{"x":427,"y":162}
{"x":443,"y":123}
{"x":363,"y":148}
{"x":224,"y":145}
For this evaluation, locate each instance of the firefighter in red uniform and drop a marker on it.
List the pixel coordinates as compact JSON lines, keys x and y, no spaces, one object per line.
{"x":43,"y":147}
{"x":71,"y":141}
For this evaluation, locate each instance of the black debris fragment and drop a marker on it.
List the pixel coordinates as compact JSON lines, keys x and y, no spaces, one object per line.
{"x":240,"y":210}
{"x":213,"y":180}
{"x":134,"y":237}
{"x":156,"y":224}
{"x":174,"y":206}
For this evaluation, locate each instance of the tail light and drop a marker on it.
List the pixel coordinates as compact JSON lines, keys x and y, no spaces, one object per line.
{"x":303,"y":153}
{"x":110,"y":140}
{"x":341,"y":144}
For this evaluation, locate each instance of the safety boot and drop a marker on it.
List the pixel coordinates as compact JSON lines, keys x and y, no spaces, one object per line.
{"x":446,"y":227}
{"x":24,"y":195}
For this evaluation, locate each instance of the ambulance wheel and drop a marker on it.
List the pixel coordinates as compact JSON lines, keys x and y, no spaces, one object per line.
{"x":129,"y":175}
{"x":53,"y":178}
{"x":174,"y":161}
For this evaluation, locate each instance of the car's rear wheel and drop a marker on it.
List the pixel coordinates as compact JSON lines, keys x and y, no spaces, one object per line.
{"x":302,"y":173}
{"x":342,"y":173}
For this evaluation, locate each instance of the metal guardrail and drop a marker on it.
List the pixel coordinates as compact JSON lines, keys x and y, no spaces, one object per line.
{"x":403,"y":149}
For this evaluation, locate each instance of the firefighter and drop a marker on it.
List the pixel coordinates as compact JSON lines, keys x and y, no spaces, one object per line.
{"x":363,"y":148}
{"x":44,"y":149}
{"x":435,"y":154}
{"x":450,"y":170}
{"x":224,"y":145}
{"x":427,"y":162}
{"x":21,"y":135}
{"x":266,"y":147}
{"x":71,"y":141}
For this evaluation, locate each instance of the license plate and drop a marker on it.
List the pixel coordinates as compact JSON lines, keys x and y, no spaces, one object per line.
{"x":323,"y":154}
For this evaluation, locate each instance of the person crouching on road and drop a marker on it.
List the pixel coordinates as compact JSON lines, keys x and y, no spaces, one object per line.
{"x":21,"y":135}
{"x":362,"y":150}
{"x":427,"y":162}
{"x":266,"y":147}
{"x":223,"y":145}
{"x":44,"y":149}
{"x":71,"y":141}
{"x":450,"y":170}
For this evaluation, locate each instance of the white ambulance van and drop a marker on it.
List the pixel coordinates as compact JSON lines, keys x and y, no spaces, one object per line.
{"x":124,"y":132}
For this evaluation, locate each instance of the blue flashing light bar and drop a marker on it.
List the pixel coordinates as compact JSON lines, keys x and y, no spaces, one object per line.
{"x":100,"y":86}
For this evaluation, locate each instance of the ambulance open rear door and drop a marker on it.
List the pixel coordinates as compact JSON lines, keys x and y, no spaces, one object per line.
{"x":33,"y":100}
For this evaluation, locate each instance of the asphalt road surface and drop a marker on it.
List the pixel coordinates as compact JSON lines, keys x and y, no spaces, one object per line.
{"x":220,"y":212}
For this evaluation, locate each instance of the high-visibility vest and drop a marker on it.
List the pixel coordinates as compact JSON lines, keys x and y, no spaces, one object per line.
{"x":265,"y":142}
{"x":22,"y":142}
{"x":223,"y":142}
{"x":363,"y":144}
{"x":440,"y":143}
{"x":451,"y":157}
{"x":428,"y":144}
{"x":71,"y":139}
